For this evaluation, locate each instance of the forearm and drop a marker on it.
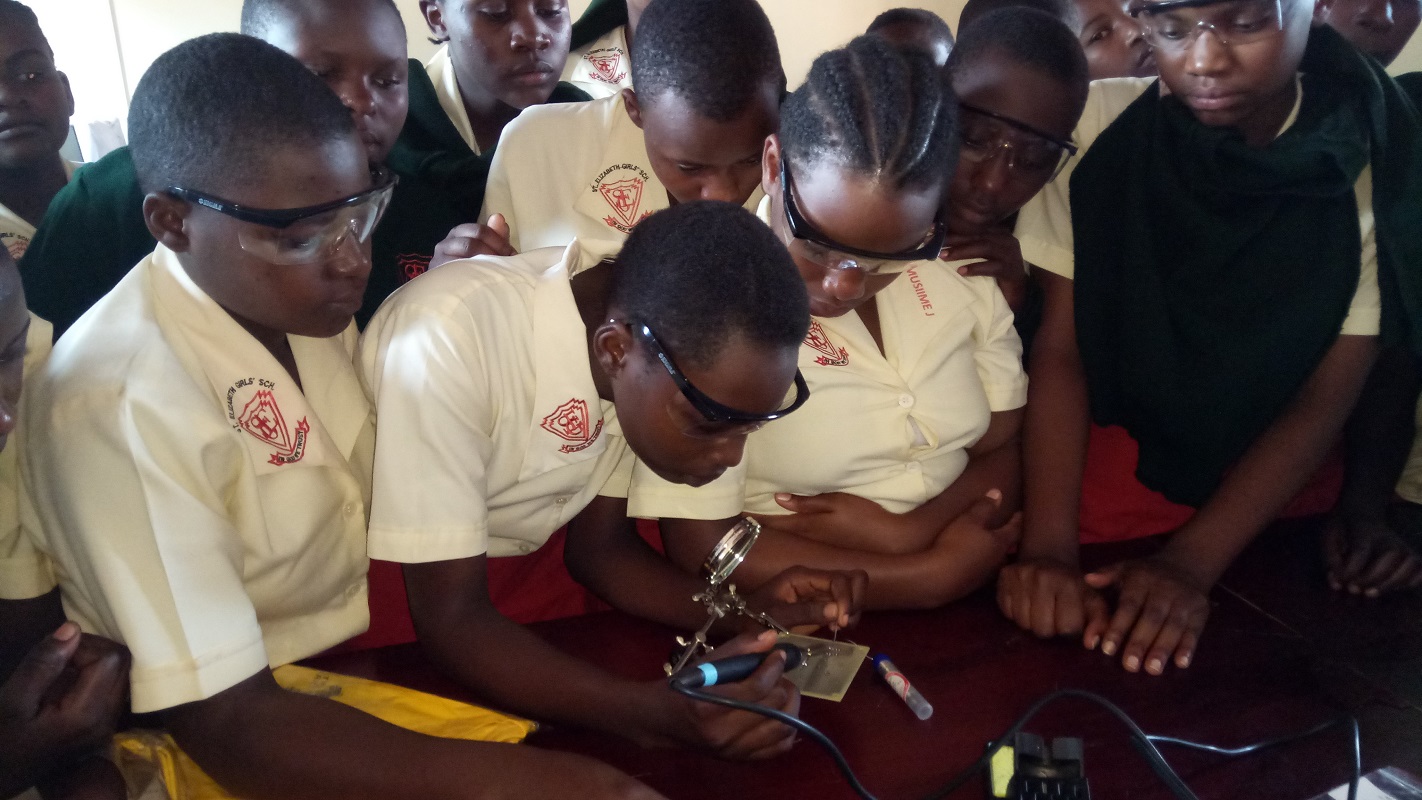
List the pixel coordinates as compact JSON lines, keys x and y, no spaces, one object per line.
{"x":513,"y":669}
{"x":605,"y":554}
{"x":1277,"y":465}
{"x":1379,"y":436}
{"x":1056,"y":431}
{"x":269,"y":743}
{"x":999,"y":468}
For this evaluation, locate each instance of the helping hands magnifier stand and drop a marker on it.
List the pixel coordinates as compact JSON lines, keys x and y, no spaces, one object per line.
{"x":720,"y":597}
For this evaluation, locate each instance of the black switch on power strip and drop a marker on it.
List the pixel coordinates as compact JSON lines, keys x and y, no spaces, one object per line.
{"x":1042,"y":774}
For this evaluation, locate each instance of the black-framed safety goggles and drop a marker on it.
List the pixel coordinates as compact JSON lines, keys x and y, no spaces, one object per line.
{"x":845,"y":256}
{"x":710,"y":409}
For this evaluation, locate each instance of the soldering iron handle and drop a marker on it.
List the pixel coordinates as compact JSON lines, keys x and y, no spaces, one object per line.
{"x":735,"y":668}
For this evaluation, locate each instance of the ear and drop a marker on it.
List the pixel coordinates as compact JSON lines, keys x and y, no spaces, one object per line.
{"x":612,"y":346}
{"x":164,"y":215}
{"x":1320,"y":11}
{"x":770,"y":165}
{"x":68,"y":92}
{"x":434,"y":18}
{"x":634,"y":110}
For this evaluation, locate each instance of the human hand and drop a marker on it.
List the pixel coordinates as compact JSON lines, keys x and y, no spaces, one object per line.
{"x":62,"y":699}
{"x":1369,"y":558}
{"x":971,"y":535}
{"x":1001,"y":256}
{"x":730,"y":733}
{"x":845,"y":520}
{"x":1161,"y":607}
{"x":1051,"y":598}
{"x":470,"y":239}
{"x":805,"y":599}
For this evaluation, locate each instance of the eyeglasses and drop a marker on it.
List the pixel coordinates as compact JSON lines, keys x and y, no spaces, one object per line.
{"x":826,"y":252}
{"x":733,"y":421}
{"x":294,"y":236}
{"x":1243,"y":22}
{"x":1030,"y":153}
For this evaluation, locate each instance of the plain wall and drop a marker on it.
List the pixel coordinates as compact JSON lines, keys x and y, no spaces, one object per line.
{"x":146,"y":28}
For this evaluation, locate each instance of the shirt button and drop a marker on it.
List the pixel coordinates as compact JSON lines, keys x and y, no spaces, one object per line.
{"x":353,"y":590}
{"x":562,"y":501}
{"x":525,"y":548}
{"x":349,"y":509}
{"x":912,"y":466}
{"x":906,"y":400}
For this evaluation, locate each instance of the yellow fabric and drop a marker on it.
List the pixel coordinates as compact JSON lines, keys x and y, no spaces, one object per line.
{"x":147,"y":758}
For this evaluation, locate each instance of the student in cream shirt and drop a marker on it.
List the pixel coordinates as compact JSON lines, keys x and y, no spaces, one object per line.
{"x":230,"y":532}
{"x":511,"y":393}
{"x":692,"y":131}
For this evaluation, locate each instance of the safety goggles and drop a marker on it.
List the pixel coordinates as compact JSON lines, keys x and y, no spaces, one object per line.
{"x":817,"y":248}
{"x":717,"y":419}
{"x":307,"y":235}
{"x":1177,"y":24}
{"x":1030,"y":153}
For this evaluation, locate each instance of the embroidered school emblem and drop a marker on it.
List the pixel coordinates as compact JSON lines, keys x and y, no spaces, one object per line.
{"x":262,"y":419}
{"x":15,"y":244}
{"x":571,"y":421}
{"x":606,"y":65}
{"x":412,"y":265}
{"x":621,"y":187}
{"x":831,"y":355}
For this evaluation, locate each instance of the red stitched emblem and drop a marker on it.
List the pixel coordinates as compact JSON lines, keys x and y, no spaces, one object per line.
{"x":605,"y":64}
{"x":15,"y":245}
{"x":262,"y":418}
{"x":819,"y":341}
{"x":571,"y":421}
{"x":413,"y":265}
{"x":625,"y":197}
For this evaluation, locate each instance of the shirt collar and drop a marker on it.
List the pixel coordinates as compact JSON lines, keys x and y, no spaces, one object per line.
{"x":441,"y":71}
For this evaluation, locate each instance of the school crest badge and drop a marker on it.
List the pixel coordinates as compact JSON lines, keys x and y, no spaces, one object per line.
{"x":621,"y":186}
{"x":15,"y":244}
{"x":412,"y":265}
{"x":606,"y":65}
{"x":572,"y":422}
{"x":830,"y":354}
{"x":262,"y":419}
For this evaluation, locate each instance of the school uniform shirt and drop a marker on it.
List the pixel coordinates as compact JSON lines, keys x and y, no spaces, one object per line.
{"x":492,"y":434}
{"x":25,"y":572}
{"x":1044,"y":225}
{"x":602,"y":68}
{"x":15,"y":231}
{"x":891,"y":426}
{"x":1409,"y":485}
{"x":198,"y":505}
{"x":576,"y":171}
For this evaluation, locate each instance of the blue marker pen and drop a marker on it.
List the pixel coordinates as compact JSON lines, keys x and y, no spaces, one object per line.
{"x":902,"y":687}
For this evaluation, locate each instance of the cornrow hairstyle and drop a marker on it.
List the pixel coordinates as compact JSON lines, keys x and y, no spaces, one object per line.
{"x":1064,"y":10}
{"x":1031,"y":38}
{"x":702,"y":274}
{"x":13,"y":11}
{"x":259,"y":17}
{"x":876,"y":110}
{"x":716,"y":55}
{"x":209,"y":111}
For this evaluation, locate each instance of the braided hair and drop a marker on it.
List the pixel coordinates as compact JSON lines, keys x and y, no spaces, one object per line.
{"x":876,"y":110}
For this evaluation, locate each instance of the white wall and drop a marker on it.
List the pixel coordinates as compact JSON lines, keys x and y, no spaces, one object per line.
{"x":86,"y":45}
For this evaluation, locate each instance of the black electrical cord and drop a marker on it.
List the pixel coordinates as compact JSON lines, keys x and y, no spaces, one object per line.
{"x":794,"y":722}
{"x":1143,"y":742}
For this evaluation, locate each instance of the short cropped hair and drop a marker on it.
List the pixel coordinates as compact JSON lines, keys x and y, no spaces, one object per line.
{"x":260,"y":17}
{"x":211,"y":109}
{"x":876,"y":110}
{"x":13,"y":11}
{"x":1064,"y":10}
{"x":704,"y":273}
{"x":1029,"y":37}
{"x":716,"y":55}
{"x":921,"y":17}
